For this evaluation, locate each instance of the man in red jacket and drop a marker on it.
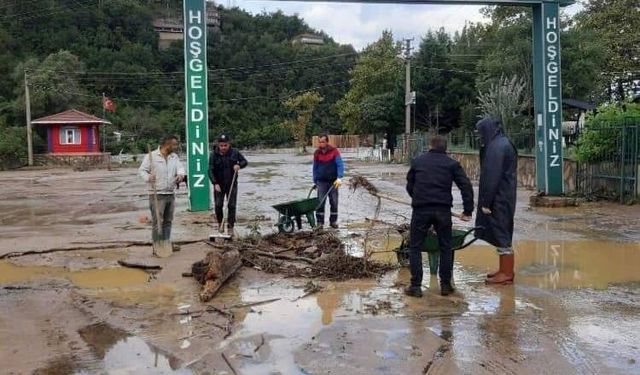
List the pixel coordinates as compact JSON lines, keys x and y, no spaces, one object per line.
{"x":328,"y":171}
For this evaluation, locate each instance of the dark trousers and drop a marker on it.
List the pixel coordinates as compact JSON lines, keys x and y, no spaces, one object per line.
{"x":421,"y":222}
{"x":218,"y":197}
{"x":166,"y":205}
{"x":323,"y":188}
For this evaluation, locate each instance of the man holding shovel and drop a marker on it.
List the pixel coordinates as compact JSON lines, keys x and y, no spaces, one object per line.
{"x":163,"y":171}
{"x":429,"y":184}
{"x":224,"y":164}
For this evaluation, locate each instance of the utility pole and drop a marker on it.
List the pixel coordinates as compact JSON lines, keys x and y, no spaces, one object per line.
{"x":407,"y":88}
{"x":27,"y":99}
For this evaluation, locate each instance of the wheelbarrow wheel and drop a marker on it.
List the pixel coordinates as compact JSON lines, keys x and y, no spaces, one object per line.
{"x":286,"y":225}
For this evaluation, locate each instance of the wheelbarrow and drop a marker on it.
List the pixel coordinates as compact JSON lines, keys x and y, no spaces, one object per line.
{"x":290,"y":213}
{"x":431,"y":247}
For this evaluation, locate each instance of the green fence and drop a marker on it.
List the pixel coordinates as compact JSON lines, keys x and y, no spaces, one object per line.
{"x":609,"y":166}
{"x":460,"y":140}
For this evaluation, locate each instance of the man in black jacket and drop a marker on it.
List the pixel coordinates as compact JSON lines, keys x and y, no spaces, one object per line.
{"x":224,"y":162}
{"x":429,"y":183}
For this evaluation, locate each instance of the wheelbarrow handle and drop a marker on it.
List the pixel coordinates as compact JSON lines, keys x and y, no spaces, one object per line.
{"x":321,"y":202}
{"x":474,"y":239}
{"x":314,"y":187}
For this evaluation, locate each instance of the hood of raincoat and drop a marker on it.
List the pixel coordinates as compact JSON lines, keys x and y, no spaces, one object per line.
{"x":488,"y":128}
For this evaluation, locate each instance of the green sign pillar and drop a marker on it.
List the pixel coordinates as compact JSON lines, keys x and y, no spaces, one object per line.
{"x":196,"y":103}
{"x":547,"y":98}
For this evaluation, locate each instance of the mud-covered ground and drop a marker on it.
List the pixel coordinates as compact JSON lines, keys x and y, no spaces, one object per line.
{"x":575,"y":307}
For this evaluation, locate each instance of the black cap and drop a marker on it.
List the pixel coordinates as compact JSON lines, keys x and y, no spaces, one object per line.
{"x":224,"y":138}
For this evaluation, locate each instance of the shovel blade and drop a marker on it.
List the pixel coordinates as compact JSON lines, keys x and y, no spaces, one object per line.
{"x":163,"y":249}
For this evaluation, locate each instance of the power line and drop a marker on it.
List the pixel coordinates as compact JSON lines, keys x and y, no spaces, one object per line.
{"x":292,"y":62}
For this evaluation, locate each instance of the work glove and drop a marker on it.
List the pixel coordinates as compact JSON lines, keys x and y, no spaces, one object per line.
{"x":486,"y":211}
{"x":337,"y":183}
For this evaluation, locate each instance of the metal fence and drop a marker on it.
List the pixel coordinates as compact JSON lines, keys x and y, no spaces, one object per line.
{"x":459,"y":140}
{"x":613,"y":169}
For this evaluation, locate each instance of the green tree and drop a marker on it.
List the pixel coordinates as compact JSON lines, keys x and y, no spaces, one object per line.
{"x":601,"y":139}
{"x":302,"y":108}
{"x":375,"y":99}
{"x":616,"y":23}
{"x":49,"y":93}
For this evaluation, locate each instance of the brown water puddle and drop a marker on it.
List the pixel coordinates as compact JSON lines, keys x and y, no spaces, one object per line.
{"x":563,"y":264}
{"x":93,"y":278}
{"x":119,"y":352}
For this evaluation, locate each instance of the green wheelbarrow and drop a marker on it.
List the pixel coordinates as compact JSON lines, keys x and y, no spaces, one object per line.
{"x":431,"y":247}
{"x":290,"y":213}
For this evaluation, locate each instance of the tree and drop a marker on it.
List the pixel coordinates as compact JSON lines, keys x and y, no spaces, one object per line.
{"x":617,"y":26}
{"x":375,"y":83}
{"x":602,"y":138}
{"x":505,"y":100}
{"x":50,"y":92}
{"x":302,"y":107}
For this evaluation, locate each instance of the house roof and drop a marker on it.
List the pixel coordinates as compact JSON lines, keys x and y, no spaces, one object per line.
{"x":72,"y":116}
{"x":579,"y":104}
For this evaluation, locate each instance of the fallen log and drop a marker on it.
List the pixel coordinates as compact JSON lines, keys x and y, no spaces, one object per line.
{"x":215,"y":270}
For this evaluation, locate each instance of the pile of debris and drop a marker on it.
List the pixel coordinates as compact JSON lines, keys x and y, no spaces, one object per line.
{"x":317,"y":255}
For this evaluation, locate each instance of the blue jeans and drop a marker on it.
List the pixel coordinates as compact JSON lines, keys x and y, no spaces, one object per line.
{"x":421,"y":222}
{"x":323,"y":188}
{"x":166,"y":205}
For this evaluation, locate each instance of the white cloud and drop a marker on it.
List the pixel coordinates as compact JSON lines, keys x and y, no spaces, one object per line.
{"x":361,"y":24}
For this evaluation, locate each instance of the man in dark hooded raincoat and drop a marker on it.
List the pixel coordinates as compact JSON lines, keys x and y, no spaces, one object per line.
{"x":497,"y":196}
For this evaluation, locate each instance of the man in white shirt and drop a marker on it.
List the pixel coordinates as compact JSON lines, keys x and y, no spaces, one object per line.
{"x":163,"y":170}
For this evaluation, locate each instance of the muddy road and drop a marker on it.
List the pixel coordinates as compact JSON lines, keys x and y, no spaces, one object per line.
{"x":574,"y":309}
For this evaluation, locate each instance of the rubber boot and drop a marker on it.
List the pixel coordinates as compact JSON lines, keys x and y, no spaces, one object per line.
{"x":506,"y":274}
{"x":500,"y":268}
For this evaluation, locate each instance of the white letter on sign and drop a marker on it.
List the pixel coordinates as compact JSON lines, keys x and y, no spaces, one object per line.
{"x":199,"y":179}
{"x":195,"y":32}
{"x":195,"y":17}
{"x":197,"y":148}
{"x":196,"y":65}
{"x":194,"y":100}
{"x":197,"y":115}
{"x":555,"y":161}
{"x":196,"y":82}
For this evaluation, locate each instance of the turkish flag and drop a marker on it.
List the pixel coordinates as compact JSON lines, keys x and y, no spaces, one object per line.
{"x":108,"y":104}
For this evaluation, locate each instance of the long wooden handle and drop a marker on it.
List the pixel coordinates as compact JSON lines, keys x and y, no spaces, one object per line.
{"x":225,"y":218}
{"x":459,"y":216}
{"x":156,"y":210}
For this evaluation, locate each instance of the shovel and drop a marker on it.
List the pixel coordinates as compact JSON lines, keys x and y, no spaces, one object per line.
{"x":161,"y":248}
{"x":222,"y":235}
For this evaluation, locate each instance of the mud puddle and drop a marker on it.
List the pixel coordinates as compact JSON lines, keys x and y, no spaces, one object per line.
{"x":118,"y":352}
{"x":563,"y":264}
{"x":92,"y":278}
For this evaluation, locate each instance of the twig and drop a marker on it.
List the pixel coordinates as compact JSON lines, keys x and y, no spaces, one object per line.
{"x":245,"y":305}
{"x":261,"y":344}
{"x":124,"y":263}
{"x":101,"y":246}
{"x":224,"y":313}
{"x":282,"y":257}
{"x":229,"y":364}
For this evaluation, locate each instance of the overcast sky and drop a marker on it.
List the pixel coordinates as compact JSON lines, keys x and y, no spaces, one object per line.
{"x":361,"y":24}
